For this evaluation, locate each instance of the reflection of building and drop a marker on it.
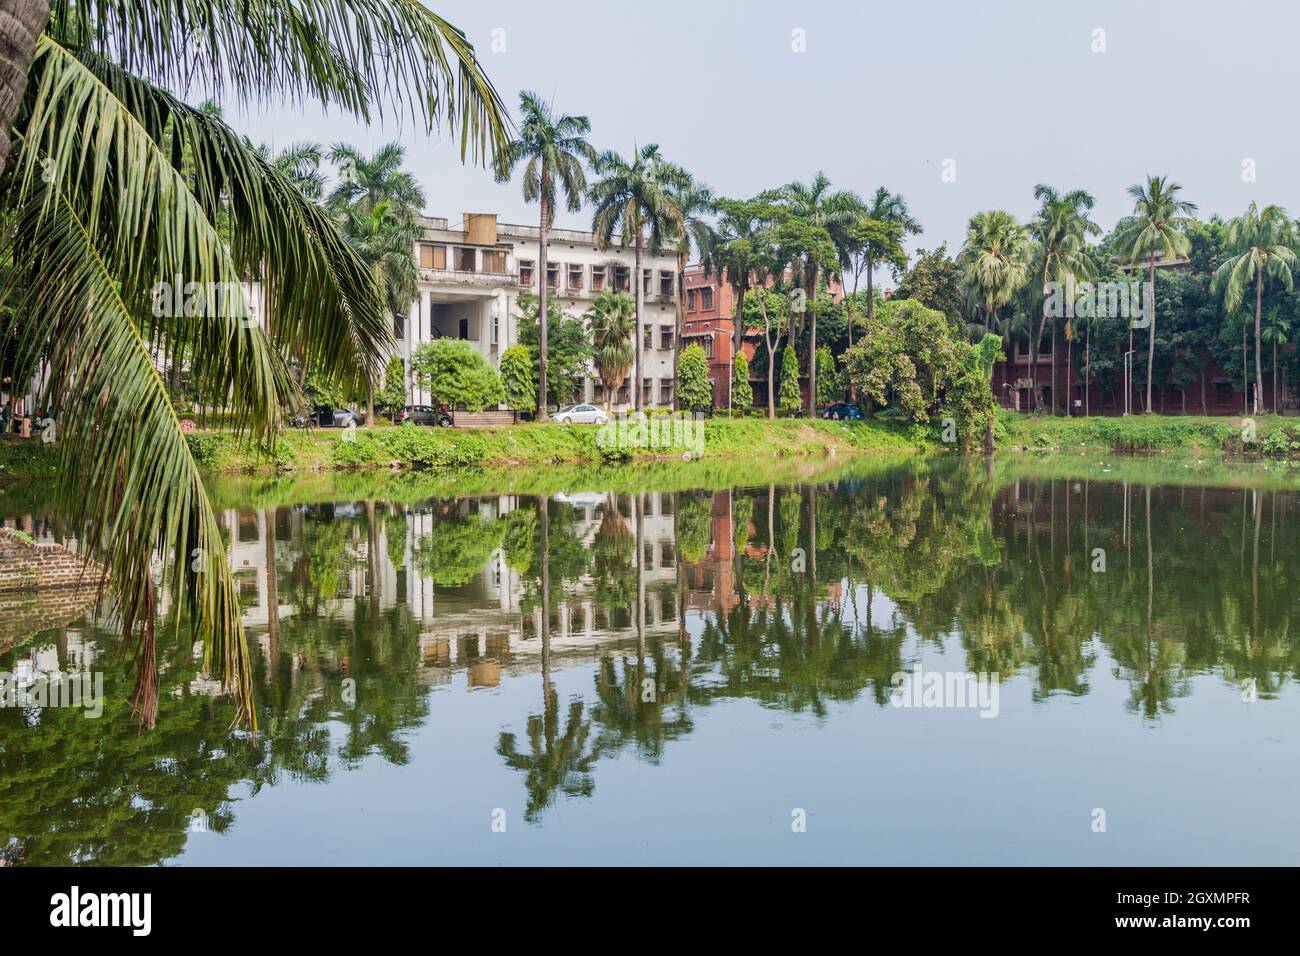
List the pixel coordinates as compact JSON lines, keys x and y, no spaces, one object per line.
{"x":472,"y":274}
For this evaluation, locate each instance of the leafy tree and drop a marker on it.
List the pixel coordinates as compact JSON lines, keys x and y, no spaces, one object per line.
{"x":885,"y":222}
{"x":554,"y":149}
{"x":935,"y":281}
{"x":1261,"y":244}
{"x":769,"y":311}
{"x":629,"y":199}
{"x":517,"y":378}
{"x":568,"y":349}
{"x":791,"y":400}
{"x":694,"y":391}
{"x":98,"y":112}
{"x":828,"y":383}
{"x":740,"y":253}
{"x":742,"y":393}
{"x":696,"y":202}
{"x":1156,"y":227}
{"x":454,"y":373}
{"x":994,"y":261}
{"x":612,"y":321}
{"x":393,"y":395}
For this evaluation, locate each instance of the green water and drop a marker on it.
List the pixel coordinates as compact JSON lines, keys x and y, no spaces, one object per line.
{"x":456,"y":671}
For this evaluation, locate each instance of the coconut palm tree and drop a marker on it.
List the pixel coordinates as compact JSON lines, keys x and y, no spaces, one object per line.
{"x":1260,"y":245}
{"x":835,"y":211}
{"x":1061,"y":231}
{"x":739,"y":248}
{"x":110,"y":200}
{"x":890,"y":211}
{"x":612,"y":321}
{"x":300,"y":164}
{"x":553,"y":150}
{"x":695,"y":201}
{"x":994,"y":261}
{"x":634,"y":202}
{"x":366,"y":181}
{"x":1156,"y":228}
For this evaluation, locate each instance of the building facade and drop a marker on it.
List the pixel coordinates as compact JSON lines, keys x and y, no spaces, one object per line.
{"x":472,"y":275}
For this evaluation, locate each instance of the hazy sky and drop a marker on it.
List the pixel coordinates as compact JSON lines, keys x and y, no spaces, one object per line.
{"x":1012,"y":92}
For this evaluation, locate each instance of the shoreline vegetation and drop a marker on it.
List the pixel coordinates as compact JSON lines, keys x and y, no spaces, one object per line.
{"x":456,"y":452}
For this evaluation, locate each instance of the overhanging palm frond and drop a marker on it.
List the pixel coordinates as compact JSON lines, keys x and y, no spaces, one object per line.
{"x":356,"y":54}
{"x":126,"y":479}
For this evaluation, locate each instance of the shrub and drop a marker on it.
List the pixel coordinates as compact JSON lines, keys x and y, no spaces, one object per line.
{"x":694,"y":391}
{"x":451,"y":371}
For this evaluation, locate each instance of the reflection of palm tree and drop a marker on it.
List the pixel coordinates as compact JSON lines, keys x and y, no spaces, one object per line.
{"x":556,"y":762}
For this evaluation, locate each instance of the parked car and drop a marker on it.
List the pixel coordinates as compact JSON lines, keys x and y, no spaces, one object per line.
{"x":581,"y":415}
{"x":439,"y":415}
{"x":842,"y":410}
{"x":329,"y":418}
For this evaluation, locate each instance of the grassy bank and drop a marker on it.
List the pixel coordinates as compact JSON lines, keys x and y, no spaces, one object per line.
{"x":441,"y":449}
{"x":1274,"y":436}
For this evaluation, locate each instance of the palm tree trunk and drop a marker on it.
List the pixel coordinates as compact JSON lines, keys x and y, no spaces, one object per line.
{"x":21,"y":26}
{"x":1069,"y":370}
{"x":812,"y":342}
{"x":1151,"y":336}
{"x":681,"y":323}
{"x":871,"y":288}
{"x":639,"y":394}
{"x":272,"y":590}
{"x":1087,"y":375}
{"x":541,"y":303}
{"x":1259,"y":367}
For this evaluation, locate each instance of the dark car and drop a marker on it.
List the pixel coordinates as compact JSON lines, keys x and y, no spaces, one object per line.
{"x":329,"y":418}
{"x":425,"y":415}
{"x":842,"y":411}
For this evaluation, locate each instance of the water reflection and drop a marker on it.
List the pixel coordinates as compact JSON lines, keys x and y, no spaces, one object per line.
{"x":365,"y":615}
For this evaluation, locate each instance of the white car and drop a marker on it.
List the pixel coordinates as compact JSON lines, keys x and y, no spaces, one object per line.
{"x":581,"y":415}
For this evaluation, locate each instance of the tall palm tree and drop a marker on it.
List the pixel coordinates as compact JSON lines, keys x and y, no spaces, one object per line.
{"x":994,"y":261}
{"x":1157,"y":227}
{"x":612,"y":321}
{"x":384,"y":241}
{"x":1060,"y":229}
{"x":629,"y":199}
{"x":113,"y":189}
{"x":738,"y":249}
{"x":553,"y":150}
{"x":836,"y":212}
{"x":1277,"y":331}
{"x":890,"y":210}
{"x":1261,"y":245}
{"x":366,"y":181}
{"x":300,"y":164}
{"x":696,"y":203}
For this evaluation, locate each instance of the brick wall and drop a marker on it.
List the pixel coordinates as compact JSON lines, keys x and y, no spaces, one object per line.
{"x":25,"y":567}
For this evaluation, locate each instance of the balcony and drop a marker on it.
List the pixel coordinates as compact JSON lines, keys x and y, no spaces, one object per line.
{"x":474,"y":280}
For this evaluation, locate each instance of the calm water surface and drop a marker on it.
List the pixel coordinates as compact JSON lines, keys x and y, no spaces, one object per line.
{"x":682,"y":676}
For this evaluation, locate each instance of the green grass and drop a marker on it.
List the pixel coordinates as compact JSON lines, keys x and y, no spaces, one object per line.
{"x":1274,"y":436}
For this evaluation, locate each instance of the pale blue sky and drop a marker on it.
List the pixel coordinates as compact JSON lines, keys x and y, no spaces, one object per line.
{"x":1011,"y":91}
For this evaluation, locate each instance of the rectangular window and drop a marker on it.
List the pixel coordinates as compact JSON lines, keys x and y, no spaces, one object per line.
{"x":552,"y":275}
{"x":432,"y":257}
{"x":665,"y":283}
{"x":622,"y":276}
{"x":648,"y":337}
{"x":526,"y":267}
{"x":690,"y":300}
{"x":598,"y":396}
{"x":466,"y":260}
{"x":647,"y":390}
{"x":706,"y":295}
{"x":645,"y":281}
{"x":666,"y":391}
{"x":494,"y":260}
{"x":708,"y":346}
{"x":575,"y":277}
{"x":464,"y":328}
{"x":666,"y":334}
{"x":597,"y":278}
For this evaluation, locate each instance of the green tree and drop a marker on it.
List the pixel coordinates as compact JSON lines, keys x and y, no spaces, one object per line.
{"x":769,"y":311}
{"x":886,"y":220}
{"x":935,"y":281}
{"x":568,"y":347}
{"x":994,"y":261}
{"x":453,"y":372}
{"x":742,"y":393}
{"x":694,"y":391}
{"x":695,"y":202}
{"x":517,"y":378}
{"x":119,"y":186}
{"x":739,"y":253}
{"x":553,"y":149}
{"x":635,"y":202}
{"x":835,"y":212}
{"x":612,"y":321}
{"x":790,"y":397}
{"x":828,"y":382}
{"x":393,"y":395}
{"x":1157,"y":227}
{"x":1261,"y":245}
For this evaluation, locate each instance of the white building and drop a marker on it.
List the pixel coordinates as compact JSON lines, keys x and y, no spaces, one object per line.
{"x":471,"y":277}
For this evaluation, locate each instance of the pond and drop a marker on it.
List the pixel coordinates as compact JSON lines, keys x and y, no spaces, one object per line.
{"x":927,"y":661}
